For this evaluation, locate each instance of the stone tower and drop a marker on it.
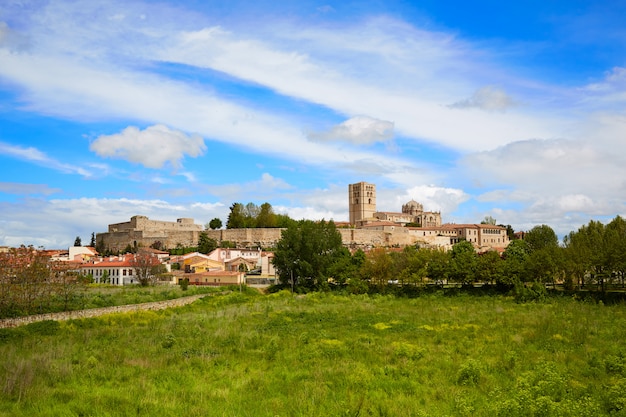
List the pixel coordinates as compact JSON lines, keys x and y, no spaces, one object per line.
{"x":361,"y":201}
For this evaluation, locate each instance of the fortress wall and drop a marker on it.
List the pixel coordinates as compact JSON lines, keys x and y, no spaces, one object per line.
{"x":151,"y":226}
{"x":263,"y":237}
{"x":349,"y":237}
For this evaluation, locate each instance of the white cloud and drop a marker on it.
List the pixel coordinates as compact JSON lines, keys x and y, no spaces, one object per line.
{"x":488,"y":98}
{"x":433,"y":198}
{"x":34,"y":155}
{"x":360,"y":130}
{"x":56,"y":223}
{"x":152,"y":147}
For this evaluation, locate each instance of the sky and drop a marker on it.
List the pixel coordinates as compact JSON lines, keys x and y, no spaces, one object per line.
{"x":171,"y":109}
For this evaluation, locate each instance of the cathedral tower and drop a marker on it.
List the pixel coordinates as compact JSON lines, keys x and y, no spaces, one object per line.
{"x":362,"y":201}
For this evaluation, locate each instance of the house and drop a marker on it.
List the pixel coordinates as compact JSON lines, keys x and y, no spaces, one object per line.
{"x":216,"y":278}
{"x":115,"y":270}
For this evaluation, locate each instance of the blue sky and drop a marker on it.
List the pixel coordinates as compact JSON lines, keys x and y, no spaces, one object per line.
{"x":110,"y":109}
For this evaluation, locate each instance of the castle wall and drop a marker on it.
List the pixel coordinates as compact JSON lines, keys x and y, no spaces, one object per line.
{"x":141,"y":231}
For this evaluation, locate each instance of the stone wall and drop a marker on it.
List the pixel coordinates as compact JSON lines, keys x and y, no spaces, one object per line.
{"x":266,"y":238}
{"x":141,"y":231}
{"x":95,"y":312}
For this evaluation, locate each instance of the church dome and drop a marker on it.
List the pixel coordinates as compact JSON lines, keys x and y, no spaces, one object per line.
{"x":412,"y":207}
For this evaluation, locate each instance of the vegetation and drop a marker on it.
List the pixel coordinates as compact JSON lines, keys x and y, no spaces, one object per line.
{"x":324,"y":354}
{"x":252,"y":216}
{"x":214,"y":224}
{"x":305,"y":253}
{"x":31,"y":283}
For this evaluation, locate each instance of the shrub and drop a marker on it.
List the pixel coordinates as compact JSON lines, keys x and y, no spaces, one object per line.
{"x":526,"y":293}
{"x":43,"y":328}
{"x":469,"y":373}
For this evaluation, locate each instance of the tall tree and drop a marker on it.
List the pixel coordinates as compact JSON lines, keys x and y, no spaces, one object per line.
{"x":305,"y":252}
{"x":463,"y":262}
{"x":92,"y":242}
{"x":515,"y":256}
{"x":437,"y":266}
{"x":378,"y":267}
{"x":266,"y":216}
{"x":237,"y":217}
{"x":205,"y":243}
{"x":489,"y":267}
{"x":540,"y":237}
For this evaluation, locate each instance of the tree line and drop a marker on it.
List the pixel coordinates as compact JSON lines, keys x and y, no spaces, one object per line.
{"x":310,"y":256}
{"x":253,"y":216}
{"x":30,"y":283}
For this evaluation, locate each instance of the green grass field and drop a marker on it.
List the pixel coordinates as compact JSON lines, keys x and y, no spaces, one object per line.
{"x":324,"y":355}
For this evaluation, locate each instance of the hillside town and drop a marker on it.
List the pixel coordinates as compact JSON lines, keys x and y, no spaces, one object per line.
{"x":247,"y":262}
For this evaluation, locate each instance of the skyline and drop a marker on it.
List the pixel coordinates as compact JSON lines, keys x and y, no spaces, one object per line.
{"x":110,"y":109}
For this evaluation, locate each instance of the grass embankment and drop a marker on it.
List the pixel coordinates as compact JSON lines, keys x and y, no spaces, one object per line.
{"x":323,"y":355}
{"x":98,"y":295}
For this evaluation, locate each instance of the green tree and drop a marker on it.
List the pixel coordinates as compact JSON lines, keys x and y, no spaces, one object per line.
{"x":266,"y":216}
{"x":305,"y":252}
{"x":416,"y":267}
{"x":615,"y":236}
{"x":215,"y":224}
{"x":489,"y":267}
{"x":283,"y":221}
{"x":77,"y":241}
{"x":540,"y":237}
{"x":437,"y":267}
{"x":205,"y":243}
{"x":463,"y":263}
{"x":344,"y":267}
{"x":92,"y":242}
{"x":237,"y":217}
{"x":378,"y":267}
{"x":515,"y":257}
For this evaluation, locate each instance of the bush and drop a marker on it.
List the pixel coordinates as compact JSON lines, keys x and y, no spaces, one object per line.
{"x":43,"y":328}
{"x":469,"y":373}
{"x":526,"y":293}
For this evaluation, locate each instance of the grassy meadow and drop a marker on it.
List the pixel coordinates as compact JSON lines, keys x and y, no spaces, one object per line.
{"x":246,"y":354}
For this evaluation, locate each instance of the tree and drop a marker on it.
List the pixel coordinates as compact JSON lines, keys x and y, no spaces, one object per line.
{"x":488,"y":220}
{"x":266,"y":216}
{"x":540,"y":237}
{"x":489,"y":267}
{"x":92,"y":242}
{"x":543,"y":261}
{"x":146,"y":266}
{"x":215,"y":223}
{"x":305,"y":252}
{"x":345,"y":266}
{"x":77,"y":241}
{"x":437,"y":266}
{"x":515,"y":257}
{"x":236,"y":218}
{"x":205,"y":243}
{"x":378,"y":267}
{"x":463,"y":262}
